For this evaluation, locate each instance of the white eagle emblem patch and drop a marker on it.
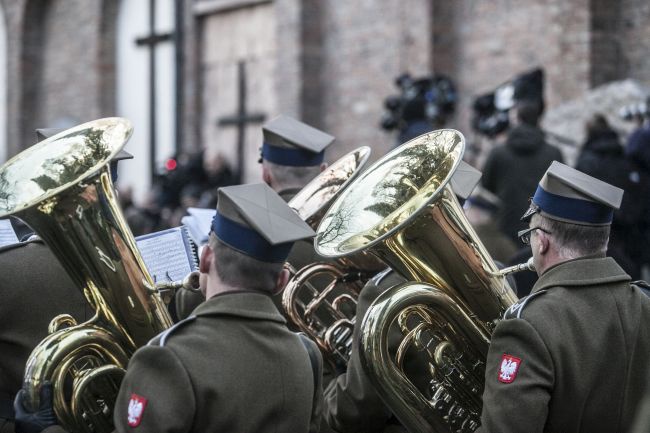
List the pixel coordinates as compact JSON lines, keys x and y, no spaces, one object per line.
{"x":509,"y":367}
{"x":136,"y":409}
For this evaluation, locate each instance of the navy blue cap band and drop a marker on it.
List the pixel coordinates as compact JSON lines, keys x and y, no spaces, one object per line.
{"x":291,"y":157}
{"x":248,"y":241}
{"x":572,"y":209}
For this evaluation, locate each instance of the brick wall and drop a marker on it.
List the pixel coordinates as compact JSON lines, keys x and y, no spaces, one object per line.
{"x":482,"y":44}
{"x":60,"y":65}
{"x":366,"y":45}
{"x":337,"y":60}
{"x":634,"y":38}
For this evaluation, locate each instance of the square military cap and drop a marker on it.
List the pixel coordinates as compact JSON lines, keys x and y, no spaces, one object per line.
{"x":290,"y":142}
{"x":568,"y":195}
{"x":484,"y":199}
{"x":254,"y":220}
{"x":43,"y":133}
{"x":465,"y":179}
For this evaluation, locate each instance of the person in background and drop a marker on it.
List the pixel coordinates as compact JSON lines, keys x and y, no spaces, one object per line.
{"x":511,"y":170}
{"x":637,"y":151}
{"x":575,"y":341}
{"x":637,"y":148}
{"x":233,"y":365}
{"x":217,"y":174}
{"x":292,"y":154}
{"x":480,"y":209}
{"x":602,"y":157}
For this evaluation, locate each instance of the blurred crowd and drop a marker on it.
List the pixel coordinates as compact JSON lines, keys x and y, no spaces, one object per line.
{"x":513,"y":163}
{"x":519,"y":151}
{"x":190,"y":180}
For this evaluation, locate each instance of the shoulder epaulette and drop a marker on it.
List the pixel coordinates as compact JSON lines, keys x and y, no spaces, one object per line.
{"x":162,"y":338}
{"x":643,"y":286}
{"x":514,"y":312}
{"x":381,"y":275}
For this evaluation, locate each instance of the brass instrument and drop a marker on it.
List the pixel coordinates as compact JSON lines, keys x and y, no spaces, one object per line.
{"x":403,"y":210}
{"x":62,"y":188}
{"x":167,"y":289}
{"x":320,"y":299}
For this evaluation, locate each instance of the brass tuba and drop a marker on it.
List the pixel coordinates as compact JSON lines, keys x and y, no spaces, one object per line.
{"x":403,"y":210}
{"x":320,"y":299}
{"x":62,"y":188}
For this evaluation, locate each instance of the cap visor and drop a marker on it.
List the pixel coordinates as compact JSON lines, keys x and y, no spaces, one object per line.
{"x":529,"y":213}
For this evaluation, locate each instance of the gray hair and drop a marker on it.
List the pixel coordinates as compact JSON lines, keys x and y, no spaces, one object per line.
{"x":286,"y":177}
{"x":574,"y":240}
{"x":244,"y":272}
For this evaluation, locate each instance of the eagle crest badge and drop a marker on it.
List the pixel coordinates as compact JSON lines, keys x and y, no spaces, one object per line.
{"x":509,"y":368}
{"x":136,"y":409}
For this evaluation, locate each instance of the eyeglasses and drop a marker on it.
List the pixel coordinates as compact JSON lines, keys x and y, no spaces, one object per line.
{"x":524,"y":235}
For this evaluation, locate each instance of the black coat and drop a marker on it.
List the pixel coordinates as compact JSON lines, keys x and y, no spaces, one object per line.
{"x":35,"y":289}
{"x":602,"y":157}
{"x":513,"y":170}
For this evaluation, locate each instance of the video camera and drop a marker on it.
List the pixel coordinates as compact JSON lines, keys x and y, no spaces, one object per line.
{"x":431,"y":98}
{"x":639,"y":111}
{"x":490,"y":115}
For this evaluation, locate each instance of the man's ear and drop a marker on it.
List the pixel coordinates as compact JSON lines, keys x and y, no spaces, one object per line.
{"x":206,"y":259}
{"x":266,"y":175}
{"x":544,"y":243}
{"x":281,"y":282}
{"x":323,"y":166}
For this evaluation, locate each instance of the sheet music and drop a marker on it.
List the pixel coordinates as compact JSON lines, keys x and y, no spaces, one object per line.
{"x":199,"y":223}
{"x":168,"y":254}
{"x":7,"y":234}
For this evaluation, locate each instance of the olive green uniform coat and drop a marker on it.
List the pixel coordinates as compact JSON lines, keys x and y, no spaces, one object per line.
{"x":35,"y":289}
{"x":233,"y":366}
{"x":584,"y":345}
{"x":351,"y":403}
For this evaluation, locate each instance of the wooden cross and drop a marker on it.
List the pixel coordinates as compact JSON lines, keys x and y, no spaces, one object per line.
{"x":241,"y":119}
{"x":150,"y":41}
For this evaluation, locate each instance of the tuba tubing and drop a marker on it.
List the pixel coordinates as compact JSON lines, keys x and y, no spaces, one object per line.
{"x":409,"y":405}
{"x":62,"y":188}
{"x":312,"y":305}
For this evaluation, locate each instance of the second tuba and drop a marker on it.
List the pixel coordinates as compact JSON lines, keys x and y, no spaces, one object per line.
{"x":62,"y":188}
{"x":320,"y":299}
{"x":403,"y":210}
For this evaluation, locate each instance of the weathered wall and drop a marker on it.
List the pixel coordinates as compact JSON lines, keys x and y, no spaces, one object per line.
{"x":482,"y":44}
{"x":366,"y":45}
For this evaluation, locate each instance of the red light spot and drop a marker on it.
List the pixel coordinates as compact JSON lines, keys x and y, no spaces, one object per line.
{"x":170,"y":165}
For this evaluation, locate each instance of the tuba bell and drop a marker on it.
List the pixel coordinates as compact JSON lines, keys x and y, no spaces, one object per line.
{"x":402,"y":209}
{"x":63,"y":189}
{"x":320,"y":299}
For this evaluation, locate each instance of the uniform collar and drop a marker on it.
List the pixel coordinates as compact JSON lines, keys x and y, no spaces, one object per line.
{"x":584,"y":271}
{"x":242,"y":303}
